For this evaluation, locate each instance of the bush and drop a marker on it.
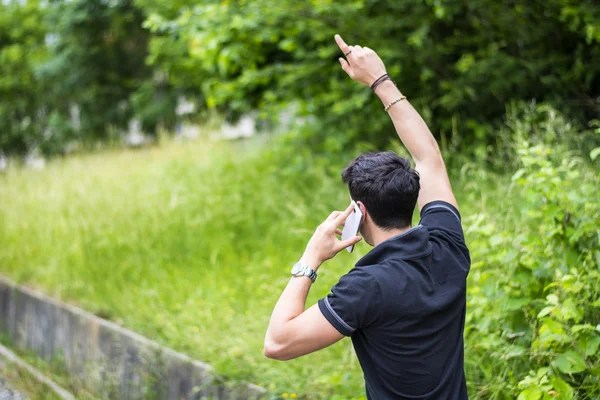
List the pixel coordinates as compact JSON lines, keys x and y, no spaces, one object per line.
{"x":535,"y":281}
{"x":85,"y":55}
{"x":460,"y":61}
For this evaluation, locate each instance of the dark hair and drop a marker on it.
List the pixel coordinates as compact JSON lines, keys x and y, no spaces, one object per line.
{"x":387,"y":186}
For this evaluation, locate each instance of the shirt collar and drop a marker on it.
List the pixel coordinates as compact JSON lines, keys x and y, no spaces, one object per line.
{"x":410,"y":244}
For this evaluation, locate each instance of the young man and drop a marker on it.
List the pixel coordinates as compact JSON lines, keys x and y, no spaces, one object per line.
{"x":403,"y":304}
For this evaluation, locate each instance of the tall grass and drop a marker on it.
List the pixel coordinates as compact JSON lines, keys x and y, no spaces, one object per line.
{"x":190,"y":245}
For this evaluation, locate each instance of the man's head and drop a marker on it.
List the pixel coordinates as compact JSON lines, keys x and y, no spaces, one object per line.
{"x":387,"y":187}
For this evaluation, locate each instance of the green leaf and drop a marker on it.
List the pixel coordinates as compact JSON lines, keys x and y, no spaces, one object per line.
{"x":589,"y":344}
{"x":516,"y":303}
{"x":584,"y":327}
{"x":519,"y":174}
{"x":570,"y":311}
{"x":545,"y":311}
{"x":570,"y":362}
{"x":595,"y":153}
{"x":530,"y":394}
{"x":564,"y":390}
{"x":552,"y":299}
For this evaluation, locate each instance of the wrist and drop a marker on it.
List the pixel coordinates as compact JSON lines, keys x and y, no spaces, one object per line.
{"x":311,"y":259}
{"x":387,"y":89}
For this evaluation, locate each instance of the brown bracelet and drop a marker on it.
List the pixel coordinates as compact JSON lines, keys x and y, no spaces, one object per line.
{"x":380,"y":80}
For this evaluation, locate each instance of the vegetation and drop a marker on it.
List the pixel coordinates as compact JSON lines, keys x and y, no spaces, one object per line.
{"x":22,"y":382}
{"x":74,"y":72}
{"x":192,"y":244}
{"x":460,"y":61}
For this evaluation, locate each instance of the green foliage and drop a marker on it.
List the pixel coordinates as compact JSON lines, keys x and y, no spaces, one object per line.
{"x":99,"y":60}
{"x":534,"y":285}
{"x":461,"y":61}
{"x":536,"y":124}
{"x":86,"y":54}
{"x":22,"y":32}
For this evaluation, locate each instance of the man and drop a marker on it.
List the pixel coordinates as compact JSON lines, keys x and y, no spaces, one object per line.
{"x":403,"y":304}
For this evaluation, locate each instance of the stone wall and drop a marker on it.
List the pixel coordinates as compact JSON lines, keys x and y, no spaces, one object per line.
{"x":105,"y":358}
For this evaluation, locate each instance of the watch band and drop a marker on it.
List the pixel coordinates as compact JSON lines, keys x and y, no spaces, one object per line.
{"x":301,"y":269}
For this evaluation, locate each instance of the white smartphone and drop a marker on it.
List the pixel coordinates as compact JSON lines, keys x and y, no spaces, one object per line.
{"x":352,"y":225}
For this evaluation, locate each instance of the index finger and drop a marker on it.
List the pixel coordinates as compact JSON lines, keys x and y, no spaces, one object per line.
{"x":341,"y":44}
{"x":342,"y":217}
{"x":333,"y":215}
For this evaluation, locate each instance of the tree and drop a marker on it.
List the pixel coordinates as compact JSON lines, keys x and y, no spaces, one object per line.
{"x":23,"y":106}
{"x":99,"y":64}
{"x":460,"y":61}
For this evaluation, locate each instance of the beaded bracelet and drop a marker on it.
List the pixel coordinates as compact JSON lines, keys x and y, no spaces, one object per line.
{"x":398,"y":100}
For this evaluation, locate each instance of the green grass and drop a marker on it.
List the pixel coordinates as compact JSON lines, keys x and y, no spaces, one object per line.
{"x":190,"y":245}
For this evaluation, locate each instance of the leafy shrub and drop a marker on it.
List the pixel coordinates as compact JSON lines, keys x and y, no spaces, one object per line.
{"x":536,"y":124}
{"x":85,"y":53}
{"x":534,"y":290}
{"x":461,"y":61}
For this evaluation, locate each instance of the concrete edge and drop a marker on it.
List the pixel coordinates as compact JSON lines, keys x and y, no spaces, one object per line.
{"x":11,"y":357}
{"x":257,"y":390}
{"x":103,"y":322}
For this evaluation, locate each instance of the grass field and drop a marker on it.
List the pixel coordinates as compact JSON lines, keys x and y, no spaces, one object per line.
{"x":192,"y":244}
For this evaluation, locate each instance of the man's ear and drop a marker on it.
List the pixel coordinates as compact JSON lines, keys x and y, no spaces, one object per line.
{"x":363,"y":210}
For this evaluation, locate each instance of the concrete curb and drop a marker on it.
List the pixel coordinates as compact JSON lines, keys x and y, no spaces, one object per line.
{"x":19,"y":362}
{"x":105,"y":358}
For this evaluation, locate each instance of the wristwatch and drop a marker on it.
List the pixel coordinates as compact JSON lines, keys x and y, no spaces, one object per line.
{"x":301,"y":269}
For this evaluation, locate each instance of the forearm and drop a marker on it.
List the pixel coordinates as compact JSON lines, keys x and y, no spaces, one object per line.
{"x":294,"y":331}
{"x":364,"y":66}
{"x":291,"y":304}
{"x":411,"y":128}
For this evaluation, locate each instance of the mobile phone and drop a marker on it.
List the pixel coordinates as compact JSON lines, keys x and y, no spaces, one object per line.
{"x":352,"y":225}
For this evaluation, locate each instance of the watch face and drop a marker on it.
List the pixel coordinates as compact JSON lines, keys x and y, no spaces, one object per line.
{"x":297,"y":269}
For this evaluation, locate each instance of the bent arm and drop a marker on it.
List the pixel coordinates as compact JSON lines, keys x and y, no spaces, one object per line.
{"x":306,"y":333}
{"x":418,"y":140}
{"x":294,"y":332}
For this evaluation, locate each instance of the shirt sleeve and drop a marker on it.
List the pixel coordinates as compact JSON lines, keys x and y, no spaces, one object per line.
{"x":353,"y":302}
{"x":441,"y":215}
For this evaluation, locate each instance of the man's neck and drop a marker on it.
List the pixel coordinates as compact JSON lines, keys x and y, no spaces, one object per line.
{"x":381,"y":235}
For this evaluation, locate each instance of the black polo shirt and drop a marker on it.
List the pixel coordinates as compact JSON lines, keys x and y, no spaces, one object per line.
{"x":403,"y":304}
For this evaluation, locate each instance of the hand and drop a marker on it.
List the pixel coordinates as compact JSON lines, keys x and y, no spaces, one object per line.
{"x":363,"y":65}
{"x":324,"y":244}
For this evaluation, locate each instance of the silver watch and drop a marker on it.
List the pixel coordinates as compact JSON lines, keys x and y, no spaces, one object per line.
{"x":301,"y":269}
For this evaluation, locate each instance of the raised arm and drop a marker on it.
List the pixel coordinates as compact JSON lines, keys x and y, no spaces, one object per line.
{"x":364,"y":66}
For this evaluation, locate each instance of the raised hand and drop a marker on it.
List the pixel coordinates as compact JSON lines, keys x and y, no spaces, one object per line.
{"x":361,"y":64}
